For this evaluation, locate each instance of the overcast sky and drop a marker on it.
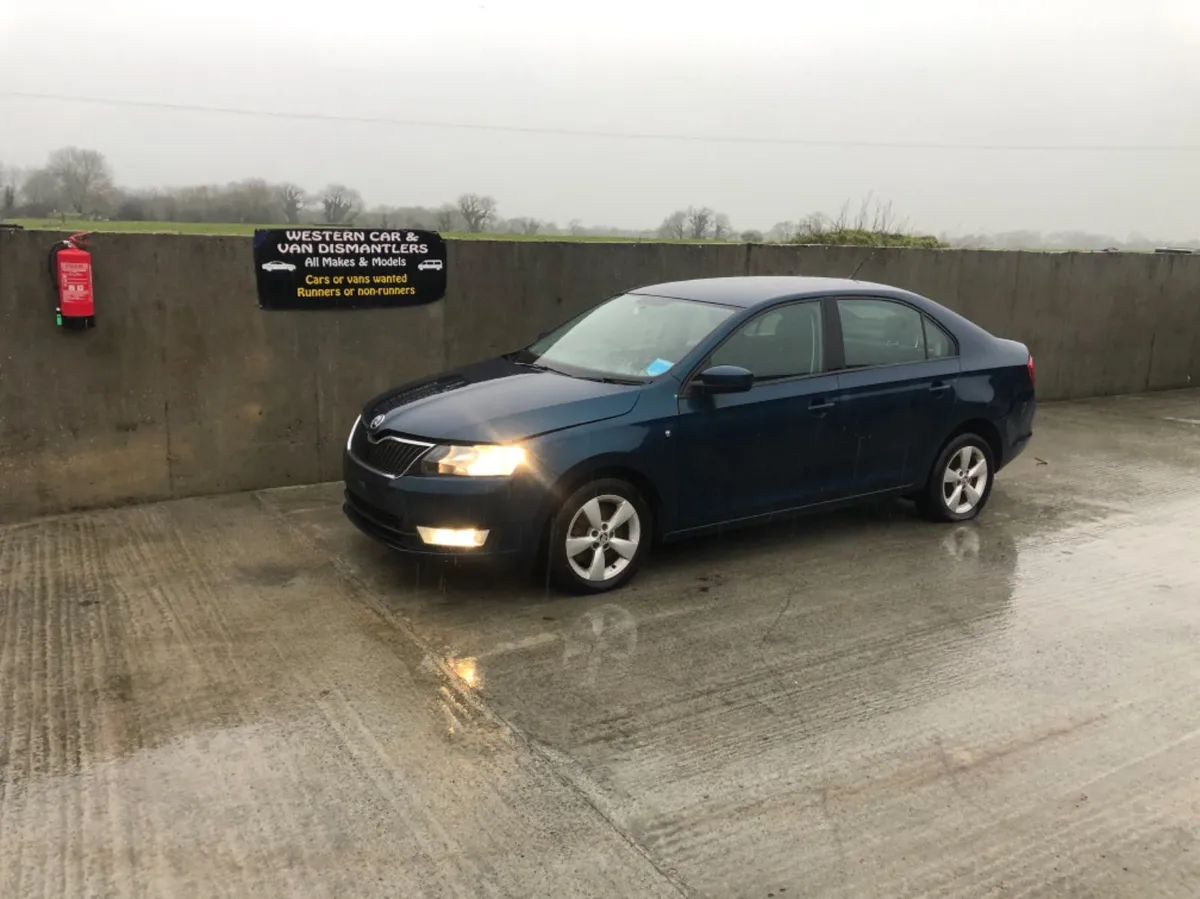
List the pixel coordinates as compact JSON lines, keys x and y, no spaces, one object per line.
{"x":997,"y":73}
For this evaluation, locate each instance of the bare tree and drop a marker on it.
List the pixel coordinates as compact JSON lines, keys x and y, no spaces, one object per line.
{"x":525,"y":225}
{"x":251,"y":200}
{"x":722,"y":229}
{"x":293,"y":199}
{"x":674,"y":226}
{"x":477,"y":211}
{"x":698,"y":222}
{"x":782,"y":231}
{"x":9,"y":179}
{"x":817,"y":223}
{"x":340,"y":203}
{"x":575,"y":227}
{"x":84,"y":177}
{"x":444,"y":217}
{"x":39,"y":192}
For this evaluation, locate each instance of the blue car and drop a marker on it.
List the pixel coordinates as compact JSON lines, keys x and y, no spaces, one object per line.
{"x":679,"y":409}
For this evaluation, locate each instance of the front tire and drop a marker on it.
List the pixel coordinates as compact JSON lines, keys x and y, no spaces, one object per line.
{"x":599,"y":537}
{"x":961,"y":481}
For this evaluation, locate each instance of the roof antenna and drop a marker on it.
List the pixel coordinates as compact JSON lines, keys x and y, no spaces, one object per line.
{"x":861,"y":264}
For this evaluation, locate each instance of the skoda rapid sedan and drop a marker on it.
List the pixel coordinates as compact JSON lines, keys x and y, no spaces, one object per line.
{"x":682,"y":408}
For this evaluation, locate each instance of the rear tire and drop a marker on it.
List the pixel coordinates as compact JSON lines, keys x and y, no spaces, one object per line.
{"x":599,"y":537}
{"x":960,"y":483}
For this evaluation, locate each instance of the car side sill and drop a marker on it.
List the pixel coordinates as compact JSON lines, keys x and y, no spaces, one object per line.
{"x":794,"y":511}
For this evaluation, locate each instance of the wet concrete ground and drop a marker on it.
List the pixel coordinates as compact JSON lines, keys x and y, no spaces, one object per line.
{"x":241,"y":696}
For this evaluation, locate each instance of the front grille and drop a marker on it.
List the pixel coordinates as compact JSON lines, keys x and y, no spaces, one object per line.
{"x":433,"y":388}
{"x":387,"y":455}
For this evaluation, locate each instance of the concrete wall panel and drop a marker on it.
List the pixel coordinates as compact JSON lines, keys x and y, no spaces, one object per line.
{"x":241,"y":383}
{"x":187,"y":387}
{"x":82,"y":414}
{"x":358,"y":355}
{"x":502,"y":294}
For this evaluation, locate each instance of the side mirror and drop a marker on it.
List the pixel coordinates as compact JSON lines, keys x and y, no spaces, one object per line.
{"x":725,"y":379}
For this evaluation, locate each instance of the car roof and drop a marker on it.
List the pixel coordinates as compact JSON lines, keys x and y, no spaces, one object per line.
{"x":754,"y":290}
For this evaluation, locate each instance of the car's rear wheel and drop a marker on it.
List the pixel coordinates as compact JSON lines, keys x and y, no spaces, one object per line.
{"x":961,"y":481}
{"x":599,"y":537}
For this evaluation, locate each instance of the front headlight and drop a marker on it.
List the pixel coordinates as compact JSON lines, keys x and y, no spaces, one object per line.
{"x":474,"y":461}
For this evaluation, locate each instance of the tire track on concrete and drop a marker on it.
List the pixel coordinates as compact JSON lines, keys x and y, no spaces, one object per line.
{"x":258,"y":609}
{"x":15,"y":574}
{"x":863,"y":665}
{"x":66,"y":720}
{"x":91,"y":661}
{"x":468,"y":698}
{"x":1010,"y":835}
{"x":1119,"y":588}
{"x":117,"y":731}
{"x":1039,"y":852}
{"x":161,"y":580}
{"x":345,"y":721}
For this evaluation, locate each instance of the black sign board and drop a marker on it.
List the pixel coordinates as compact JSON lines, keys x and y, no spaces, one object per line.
{"x":348,"y":268}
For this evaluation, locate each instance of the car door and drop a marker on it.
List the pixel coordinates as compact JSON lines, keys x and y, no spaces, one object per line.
{"x":898,"y":385}
{"x":763,"y":450}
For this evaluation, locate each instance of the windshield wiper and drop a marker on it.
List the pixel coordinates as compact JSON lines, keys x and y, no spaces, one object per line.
{"x":524,"y":363}
{"x":611,"y":379}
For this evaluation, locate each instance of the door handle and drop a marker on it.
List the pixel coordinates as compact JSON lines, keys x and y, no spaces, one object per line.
{"x":821,"y":405}
{"x":938,"y":387}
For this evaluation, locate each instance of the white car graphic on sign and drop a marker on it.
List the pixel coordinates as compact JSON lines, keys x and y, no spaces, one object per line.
{"x":278,"y":267}
{"x":430,"y":264}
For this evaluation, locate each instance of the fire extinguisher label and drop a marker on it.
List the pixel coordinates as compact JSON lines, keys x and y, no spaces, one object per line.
{"x":75,"y":280}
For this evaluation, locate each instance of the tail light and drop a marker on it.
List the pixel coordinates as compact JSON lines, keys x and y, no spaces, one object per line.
{"x":1032,"y":375}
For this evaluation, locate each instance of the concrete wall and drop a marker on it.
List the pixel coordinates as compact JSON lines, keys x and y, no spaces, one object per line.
{"x":185,"y":387}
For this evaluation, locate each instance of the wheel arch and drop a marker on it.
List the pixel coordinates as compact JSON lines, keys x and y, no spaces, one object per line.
{"x":594,"y":470}
{"x":980,"y":426}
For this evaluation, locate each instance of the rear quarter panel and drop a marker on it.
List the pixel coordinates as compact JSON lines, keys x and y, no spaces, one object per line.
{"x":995,"y":386}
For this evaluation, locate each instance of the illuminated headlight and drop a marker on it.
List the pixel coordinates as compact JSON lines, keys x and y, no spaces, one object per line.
{"x":474,"y":461}
{"x":463,"y":538}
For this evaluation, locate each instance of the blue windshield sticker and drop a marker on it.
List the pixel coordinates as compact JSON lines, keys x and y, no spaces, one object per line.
{"x":658,"y":366}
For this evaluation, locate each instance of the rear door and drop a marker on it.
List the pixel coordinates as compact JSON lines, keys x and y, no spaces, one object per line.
{"x":898,"y":381}
{"x":764,"y":450}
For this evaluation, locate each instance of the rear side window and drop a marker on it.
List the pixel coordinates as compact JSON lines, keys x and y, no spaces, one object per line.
{"x":782,"y":343}
{"x":938,"y":344}
{"x":881,"y":332}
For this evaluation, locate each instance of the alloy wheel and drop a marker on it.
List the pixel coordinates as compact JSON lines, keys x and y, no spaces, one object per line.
{"x":603,"y":538}
{"x":965,"y":480}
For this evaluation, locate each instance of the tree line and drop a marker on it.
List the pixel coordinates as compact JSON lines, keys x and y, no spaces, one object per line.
{"x":79,"y":182}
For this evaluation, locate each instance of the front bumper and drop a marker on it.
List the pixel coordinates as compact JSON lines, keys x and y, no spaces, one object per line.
{"x":391,"y":510}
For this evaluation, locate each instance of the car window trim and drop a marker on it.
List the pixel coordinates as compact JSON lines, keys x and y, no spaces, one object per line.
{"x":902,"y":302}
{"x":925,"y":316}
{"x":706,"y":359}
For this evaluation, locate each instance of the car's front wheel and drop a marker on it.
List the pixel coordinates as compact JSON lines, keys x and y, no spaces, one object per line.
{"x":599,"y":537}
{"x":961,"y":481}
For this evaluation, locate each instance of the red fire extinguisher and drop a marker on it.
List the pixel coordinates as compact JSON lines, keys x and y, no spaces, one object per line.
{"x":71,"y":270}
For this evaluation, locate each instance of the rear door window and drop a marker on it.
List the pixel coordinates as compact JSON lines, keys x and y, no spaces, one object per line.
{"x":880,"y":332}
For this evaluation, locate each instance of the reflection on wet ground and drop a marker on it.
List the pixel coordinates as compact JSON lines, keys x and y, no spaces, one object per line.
{"x":239,"y":694}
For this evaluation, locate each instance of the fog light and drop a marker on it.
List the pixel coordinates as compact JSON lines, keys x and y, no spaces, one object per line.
{"x":460,"y":537}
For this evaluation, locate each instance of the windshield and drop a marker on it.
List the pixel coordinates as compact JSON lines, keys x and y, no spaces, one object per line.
{"x":630,"y":337}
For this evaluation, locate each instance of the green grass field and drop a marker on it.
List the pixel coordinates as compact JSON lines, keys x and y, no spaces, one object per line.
{"x":239,"y":230}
